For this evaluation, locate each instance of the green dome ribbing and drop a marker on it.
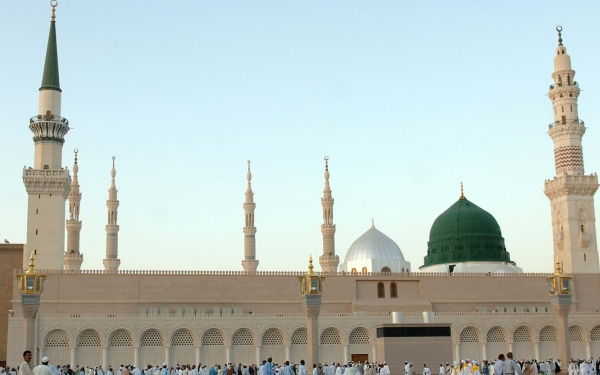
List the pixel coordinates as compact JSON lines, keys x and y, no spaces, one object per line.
{"x":464,"y":233}
{"x":50,"y":80}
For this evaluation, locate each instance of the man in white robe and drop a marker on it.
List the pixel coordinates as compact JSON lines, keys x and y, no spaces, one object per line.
{"x":442,"y":369}
{"x":44,"y":368}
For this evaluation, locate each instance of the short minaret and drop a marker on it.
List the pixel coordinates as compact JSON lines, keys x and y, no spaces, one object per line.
{"x":250,"y":263}
{"x":112,"y":262}
{"x":73,"y":258}
{"x":571,"y":192}
{"x":328,"y":261}
{"x":48,"y":184}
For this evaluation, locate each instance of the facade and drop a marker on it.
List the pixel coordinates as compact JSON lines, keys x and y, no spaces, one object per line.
{"x":149,"y":317}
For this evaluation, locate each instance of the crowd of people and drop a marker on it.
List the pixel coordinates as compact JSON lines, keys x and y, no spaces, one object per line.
{"x":504,"y":365}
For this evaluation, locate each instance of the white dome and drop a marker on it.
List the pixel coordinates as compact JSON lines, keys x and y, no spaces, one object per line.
{"x":373,"y":245}
{"x":505,"y":268}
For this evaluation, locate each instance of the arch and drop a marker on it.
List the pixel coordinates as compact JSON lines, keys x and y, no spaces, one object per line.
{"x":212,"y":337}
{"x":575,"y":333}
{"x":120,"y":338}
{"x":393,"y":290}
{"x":359,"y":336}
{"x":353,"y":271}
{"x":469,"y":335}
{"x":242,"y":336}
{"x":365,"y":270}
{"x":380,"y":290}
{"x":496,"y":334}
{"x":151,"y":337}
{"x":548,"y":334}
{"x":89,"y":338}
{"x":331,"y":336}
{"x":57,"y":339}
{"x":300,"y":336}
{"x":595,"y":333}
{"x":522,"y":334}
{"x":386,"y":269}
{"x":272,"y":336}
{"x":182,"y":337}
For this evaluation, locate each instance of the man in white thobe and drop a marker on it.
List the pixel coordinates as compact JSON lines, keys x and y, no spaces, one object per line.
{"x":44,"y":368}
{"x":385,"y":370}
{"x":442,"y":369}
{"x":499,"y":365}
{"x":510,"y":366}
{"x":426,"y":370}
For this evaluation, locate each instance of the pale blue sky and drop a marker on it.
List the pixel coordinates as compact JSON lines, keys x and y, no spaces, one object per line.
{"x":406,"y":98}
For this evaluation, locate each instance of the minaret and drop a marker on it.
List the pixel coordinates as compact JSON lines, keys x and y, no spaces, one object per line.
{"x":112,"y":262}
{"x":329,"y":261}
{"x":73,"y":258}
{"x":250,"y":263}
{"x":47,"y":183}
{"x":571,"y":192}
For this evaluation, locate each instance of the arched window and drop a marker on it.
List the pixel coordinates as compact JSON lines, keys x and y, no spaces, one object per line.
{"x":364,"y":270}
{"x":386,"y":270}
{"x":331,"y":336}
{"x":394,"y":290}
{"x":242,"y":337}
{"x":300,"y":337}
{"x":354,"y":271}
{"x":496,"y":334}
{"x":469,"y":334}
{"x":548,"y":333}
{"x":380,"y":290}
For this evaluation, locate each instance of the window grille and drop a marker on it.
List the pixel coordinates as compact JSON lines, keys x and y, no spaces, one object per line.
{"x":242,"y":337}
{"x":522,"y":334}
{"x":182,"y":337}
{"x":57,"y":339}
{"x":212,"y":337}
{"x":300,"y":337}
{"x":330,"y":337}
{"x":89,"y":337}
{"x":359,"y":336}
{"x":548,"y":334}
{"x":469,"y":334}
{"x":495,"y":334}
{"x":151,"y":338}
{"x":596,"y":333}
{"x":120,"y":337}
{"x":272,"y":336}
{"x":575,"y":334}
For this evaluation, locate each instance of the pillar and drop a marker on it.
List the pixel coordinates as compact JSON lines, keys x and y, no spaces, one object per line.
{"x":168,"y":355}
{"x":536,"y":350}
{"x":136,"y":357}
{"x":588,"y":351}
{"x":29,"y":334}
{"x":74,"y":360}
{"x":105,"y":359}
{"x":288,"y":353}
{"x":510,"y":346}
{"x":374,"y":359}
{"x":457,"y":352}
{"x":198,"y":356}
{"x":561,"y":304}
{"x":346,"y":355}
{"x":258,"y":356}
{"x":484,"y":350}
{"x":312,"y":328}
{"x":228,"y":354}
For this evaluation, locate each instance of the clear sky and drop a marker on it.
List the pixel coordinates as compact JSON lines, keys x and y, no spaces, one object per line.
{"x":407,"y":99}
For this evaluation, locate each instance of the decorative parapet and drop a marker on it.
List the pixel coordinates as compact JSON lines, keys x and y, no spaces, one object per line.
{"x":571,"y":185}
{"x":47,"y":181}
{"x":49,"y":128}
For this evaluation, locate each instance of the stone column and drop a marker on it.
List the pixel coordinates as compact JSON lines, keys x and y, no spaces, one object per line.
{"x":562,"y":305}
{"x":198,"y":356}
{"x":484,"y":351}
{"x":536,"y":349}
{"x":374,"y":359}
{"x":74,"y":358}
{"x":288,"y":353}
{"x":31,"y":305}
{"x":258,"y":356}
{"x":510,"y":346}
{"x":104,"y":359}
{"x":312,"y":305}
{"x":457,"y":352}
{"x":136,"y":357}
{"x":228,"y":354}
{"x":167,"y":356}
{"x":588,"y":350}
{"x":346,"y":359}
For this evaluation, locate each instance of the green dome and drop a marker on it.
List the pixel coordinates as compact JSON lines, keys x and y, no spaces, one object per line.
{"x":464,"y":233}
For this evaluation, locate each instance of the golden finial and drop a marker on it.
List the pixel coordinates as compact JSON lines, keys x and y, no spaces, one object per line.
{"x":53,"y":4}
{"x":310,"y":266}
{"x":76,"y":151}
{"x":372,"y":223}
{"x":558,"y":268}
{"x":326,"y":163}
{"x":31,"y":265}
{"x":462,"y":192}
{"x":559,"y":29}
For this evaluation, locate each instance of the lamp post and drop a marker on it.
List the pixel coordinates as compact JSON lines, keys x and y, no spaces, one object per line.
{"x":31,"y":286}
{"x":311,"y":287}
{"x":559,"y":287}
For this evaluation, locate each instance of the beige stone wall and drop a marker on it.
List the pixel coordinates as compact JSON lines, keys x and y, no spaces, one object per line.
{"x":11,"y":258}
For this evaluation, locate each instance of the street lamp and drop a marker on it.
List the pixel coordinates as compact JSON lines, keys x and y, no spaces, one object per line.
{"x":559,"y":287}
{"x":311,"y":288}
{"x":31,"y":286}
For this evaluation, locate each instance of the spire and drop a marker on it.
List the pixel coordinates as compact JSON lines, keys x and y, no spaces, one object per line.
{"x":73,"y":258}
{"x":112,"y":262}
{"x":372,"y":223}
{"x":250,"y":263}
{"x":559,"y":29}
{"x":462,"y":192}
{"x":329,"y":261}
{"x":50,"y":79}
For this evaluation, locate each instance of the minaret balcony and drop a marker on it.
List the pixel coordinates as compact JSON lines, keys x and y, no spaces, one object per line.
{"x":49,"y":128}
{"x":560,"y":84}
{"x":566,"y":122}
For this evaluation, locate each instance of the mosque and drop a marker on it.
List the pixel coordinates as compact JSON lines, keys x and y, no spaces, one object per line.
{"x":466,"y":279}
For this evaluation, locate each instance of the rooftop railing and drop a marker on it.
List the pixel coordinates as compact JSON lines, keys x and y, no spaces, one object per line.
{"x":566,"y":122}
{"x":54,"y":118}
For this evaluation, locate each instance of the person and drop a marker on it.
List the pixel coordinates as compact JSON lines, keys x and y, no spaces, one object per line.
{"x":485,"y":369}
{"x":510,"y":366}
{"x":287,"y":370}
{"x":499,"y":365}
{"x":442,"y":369}
{"x":315,"y":371}
{"x":269,"y":370}
{"x":164,"y":370}
{"x":303,"y":368}
{"x":426,"y":370}
{"x":44,"y":368}
{"x":385,"y":370}
{"x":475,"y":370}
{"x":25,"y":367}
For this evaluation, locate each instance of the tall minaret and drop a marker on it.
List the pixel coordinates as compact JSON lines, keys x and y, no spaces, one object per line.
{"x":329,"y":261}
{"x":250,"y":263}
{"x":571,"y":192}
{"x":73,"y":258}
{"x":112,"y":262}
{"x":47,"y":183}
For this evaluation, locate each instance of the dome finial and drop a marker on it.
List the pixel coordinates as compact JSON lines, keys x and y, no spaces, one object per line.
{"x":559,"y":29}
{"x":76,"y":151}
{"x":326,"y":163}
{"x":249,"y":174}
{"x":372,"y":223}
{"x":53,"y":4}
{"x":462,"y":192}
